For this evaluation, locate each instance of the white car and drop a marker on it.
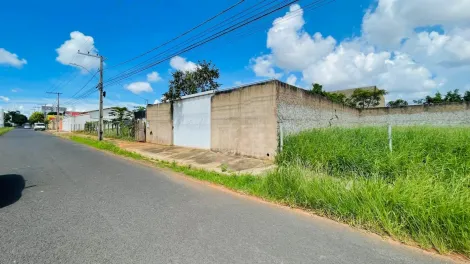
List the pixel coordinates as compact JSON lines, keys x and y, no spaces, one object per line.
{"x":39,"y":126}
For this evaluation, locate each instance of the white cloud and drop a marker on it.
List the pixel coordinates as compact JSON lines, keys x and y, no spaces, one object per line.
{"x":11,"y":59}
{"x":263,"y":66}
{"x":448,"y":50}
{"x":292,"y":79}
{"x":237,"y":83}
{"x":156,"y":101}
{"x":4,"y":98}
{"x":394,"y":20}
{"x":139,"y":87}
{"x":292,"y":48}
{"x":392,"y":52}
{"x":15,"y":90}
{"x":67,"y":52}
{"x":181,"y":64}
{"x":153,"y":77}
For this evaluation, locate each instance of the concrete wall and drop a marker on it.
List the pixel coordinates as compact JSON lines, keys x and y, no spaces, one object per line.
{"x":244,"y":121}
{"x":437,"y":115}
{"x":299,"y":110}
{"x":159,"y":124}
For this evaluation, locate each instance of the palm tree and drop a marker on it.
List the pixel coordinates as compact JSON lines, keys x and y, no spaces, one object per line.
{"x":121,"y":114}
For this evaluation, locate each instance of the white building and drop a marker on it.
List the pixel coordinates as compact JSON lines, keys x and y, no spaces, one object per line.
{"x":76,"y":123}
{"x":1,"y":117}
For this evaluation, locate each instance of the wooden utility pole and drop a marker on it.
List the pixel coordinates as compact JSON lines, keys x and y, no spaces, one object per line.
{"x":58,"y":110}
{"x":100,"y":88}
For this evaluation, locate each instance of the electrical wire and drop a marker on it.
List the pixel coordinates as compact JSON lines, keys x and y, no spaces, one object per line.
{"x":192,"y":38}
{"x":208,"y":39}
{"x":179,"y":36}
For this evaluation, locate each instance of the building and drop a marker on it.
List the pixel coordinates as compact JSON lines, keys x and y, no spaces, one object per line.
{"x":252,"y":120}
{"x":47,"y":109}
{"x":76,"y":121}
{"x":2,"y":121}
{"x":349,"y":92}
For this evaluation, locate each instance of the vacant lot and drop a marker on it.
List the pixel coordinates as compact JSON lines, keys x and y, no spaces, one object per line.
{"x":419,"y":192}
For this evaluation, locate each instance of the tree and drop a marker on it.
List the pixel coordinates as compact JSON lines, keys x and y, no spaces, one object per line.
{"x":334,"y":97}
{"x":18,"y":118}
{"x":318,"y":89}
{"x":397,"y":103}
{"x":366,"y":98}
{"x":36,"y":117}
{"x":139,"y":108}
{"x":121,"y":114}
{"x":202,"y":79}
{"x":6,"y":119}
{"x":466,"y":96}
{"x":437,"y":99}
{"x":453,"y":97}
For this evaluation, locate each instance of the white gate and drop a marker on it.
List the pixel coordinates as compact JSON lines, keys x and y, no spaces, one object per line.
{"x":192,"y":121}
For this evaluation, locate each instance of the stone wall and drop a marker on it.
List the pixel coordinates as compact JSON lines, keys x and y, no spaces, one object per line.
{"x":436,"y":115}
{"x":159,"y":124}
{"x":299,"y":110}
{"x":243,"y":121}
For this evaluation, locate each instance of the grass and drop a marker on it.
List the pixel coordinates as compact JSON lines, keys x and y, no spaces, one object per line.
{"x":418,"y":194}
{"x":4,"y":130}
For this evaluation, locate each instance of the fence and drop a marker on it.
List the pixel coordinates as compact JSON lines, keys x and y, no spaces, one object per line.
{"x":129,"y":130}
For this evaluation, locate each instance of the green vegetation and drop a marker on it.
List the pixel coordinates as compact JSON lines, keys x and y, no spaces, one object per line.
{"x":450,"y":97}
{"x":14,"y":117}
{"x":119,"y":130}
{"x":203,"y":78}
{"x":3,"y":130}
{"x":397,"y":103}
{"x":360,"y":98}
{"x":36,"y":117}
{"x":418,"y":194}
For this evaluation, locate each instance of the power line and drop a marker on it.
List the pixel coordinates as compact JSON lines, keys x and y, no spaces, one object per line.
{"x":177,"y":37}
{"x":309,"y":7}
{"x":199,"y":35}
{"x":206,"y":40}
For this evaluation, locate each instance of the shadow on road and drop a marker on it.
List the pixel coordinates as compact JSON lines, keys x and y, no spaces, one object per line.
{"x":11,"y":186}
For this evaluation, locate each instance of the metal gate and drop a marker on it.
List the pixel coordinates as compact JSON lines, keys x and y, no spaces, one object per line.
{"x":140,"y":130}
{"x":192,"y":121}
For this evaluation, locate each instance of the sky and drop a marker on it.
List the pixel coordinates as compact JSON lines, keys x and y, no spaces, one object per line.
{"x":411,"y":48}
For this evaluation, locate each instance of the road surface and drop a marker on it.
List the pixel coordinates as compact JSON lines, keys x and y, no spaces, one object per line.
{"x":66,"y":203}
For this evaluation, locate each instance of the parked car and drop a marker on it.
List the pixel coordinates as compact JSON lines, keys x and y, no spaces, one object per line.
{"x":39,"y":126}
{"x":27,"y":126}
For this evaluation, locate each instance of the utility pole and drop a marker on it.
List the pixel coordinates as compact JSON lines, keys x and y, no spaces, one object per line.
{"x":100,"y":88}
{"x":58,"y":110}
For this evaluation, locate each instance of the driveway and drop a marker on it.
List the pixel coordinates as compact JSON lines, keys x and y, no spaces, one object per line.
{"x":67,"y":203}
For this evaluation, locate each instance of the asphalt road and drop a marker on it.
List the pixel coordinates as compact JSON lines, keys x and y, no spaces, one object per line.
{"x":66,"y":203}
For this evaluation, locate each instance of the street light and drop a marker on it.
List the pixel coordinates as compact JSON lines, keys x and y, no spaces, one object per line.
{"x":78,"y":65}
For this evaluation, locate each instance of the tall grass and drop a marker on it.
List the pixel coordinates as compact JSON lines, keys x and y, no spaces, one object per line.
{"x":442,"y":152}
{"x":420,"y":192}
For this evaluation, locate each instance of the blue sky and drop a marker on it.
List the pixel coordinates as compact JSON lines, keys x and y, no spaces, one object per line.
{"x":358,"y":46}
